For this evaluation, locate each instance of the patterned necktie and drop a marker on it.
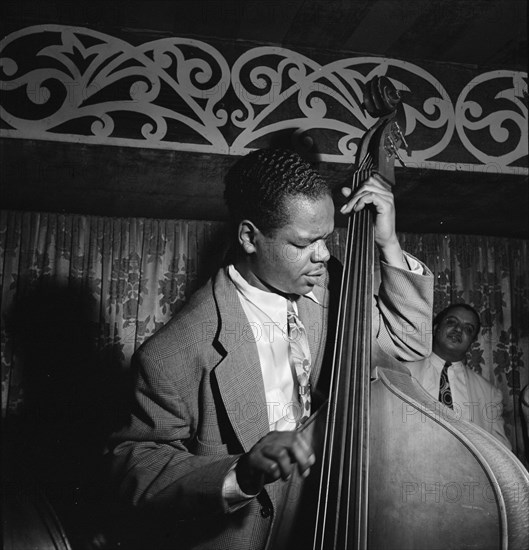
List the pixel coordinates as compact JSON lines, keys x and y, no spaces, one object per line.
{"x":445,"y":395}
{"x":300,"y":360}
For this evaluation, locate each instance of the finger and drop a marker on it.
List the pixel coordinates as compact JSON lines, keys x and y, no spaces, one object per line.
{"x":373,"y":182}
{"x":370,"y":190}
{"x":369,"y":186}
{"x":303,"y":456}
{"x":364,"y":197}
{"x":304,"y":441}
{"x":375,"y":198}
{"x":266,"y":466}
{"x":372,"y":186}
{"x":282,"y":461}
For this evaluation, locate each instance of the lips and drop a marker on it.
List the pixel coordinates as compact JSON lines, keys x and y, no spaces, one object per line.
{"x":454,"y":337}
{"x":316,"y":273}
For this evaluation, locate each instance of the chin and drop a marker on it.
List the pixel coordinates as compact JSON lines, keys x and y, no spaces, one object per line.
{"x":306,"y":289}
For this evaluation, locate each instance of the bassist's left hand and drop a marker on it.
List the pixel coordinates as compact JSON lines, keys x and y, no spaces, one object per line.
{"x":376,"y":192}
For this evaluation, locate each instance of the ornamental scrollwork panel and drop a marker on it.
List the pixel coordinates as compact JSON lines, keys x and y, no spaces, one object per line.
{"x":329,"y":98}
{"x":77,"y":84}
{"x":87,"y":86}
{"x":504,"y":122}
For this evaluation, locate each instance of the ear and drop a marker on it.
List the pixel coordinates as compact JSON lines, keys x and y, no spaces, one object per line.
{"x":246,"y":235}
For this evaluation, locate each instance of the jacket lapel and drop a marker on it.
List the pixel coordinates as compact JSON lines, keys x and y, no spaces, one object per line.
{"x":239,"y":375}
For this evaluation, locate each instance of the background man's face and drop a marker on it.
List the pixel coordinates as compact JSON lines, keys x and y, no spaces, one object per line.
{"x":293,"y":257}
{"x":454,"y":334}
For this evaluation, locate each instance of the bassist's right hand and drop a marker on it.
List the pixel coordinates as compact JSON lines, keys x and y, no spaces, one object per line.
{"x":273,"y":457}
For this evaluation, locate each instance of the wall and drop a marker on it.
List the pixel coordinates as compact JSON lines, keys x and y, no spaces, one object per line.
{"x":178,"y":108}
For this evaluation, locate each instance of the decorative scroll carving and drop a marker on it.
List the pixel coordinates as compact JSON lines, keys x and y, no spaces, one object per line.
{"x":98,"y":89}
{"x":507,"y":123}
{"x":76,"y":84}
{"x":322,"y":91}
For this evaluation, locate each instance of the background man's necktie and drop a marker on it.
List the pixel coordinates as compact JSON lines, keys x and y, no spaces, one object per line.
{"x":299,"y":355}
{"x":445,"y":395}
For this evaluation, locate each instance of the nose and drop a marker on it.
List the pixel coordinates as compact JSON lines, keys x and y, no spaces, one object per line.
{"x":321,"y":252}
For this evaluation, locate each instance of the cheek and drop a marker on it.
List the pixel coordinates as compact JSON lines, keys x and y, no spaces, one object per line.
{"x":293,"y":258}
{"x":468,"y":339}
{"x":290,"y":254}
{"x":281,"y":263}
{"x":271,"y":254}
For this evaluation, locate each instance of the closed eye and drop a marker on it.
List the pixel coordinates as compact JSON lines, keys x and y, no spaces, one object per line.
{"x":301,"y":246}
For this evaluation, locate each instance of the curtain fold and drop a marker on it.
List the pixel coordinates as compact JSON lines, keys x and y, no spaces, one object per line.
{"x":89,"y":289}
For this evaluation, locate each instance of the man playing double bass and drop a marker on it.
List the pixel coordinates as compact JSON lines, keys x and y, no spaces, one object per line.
{"x":221,"y":389}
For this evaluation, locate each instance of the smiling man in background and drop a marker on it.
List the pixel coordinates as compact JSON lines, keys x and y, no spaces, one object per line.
{"x":446,"y":376}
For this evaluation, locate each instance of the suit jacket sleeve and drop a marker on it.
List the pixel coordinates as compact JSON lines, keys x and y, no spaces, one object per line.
{"x":486,"y":405}
{"x":149,"y":457}
{"x":402,"y":320}
{"x":498,"y":423}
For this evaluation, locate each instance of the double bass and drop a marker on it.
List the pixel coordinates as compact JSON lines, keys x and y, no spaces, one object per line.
{"x":396,"y":469}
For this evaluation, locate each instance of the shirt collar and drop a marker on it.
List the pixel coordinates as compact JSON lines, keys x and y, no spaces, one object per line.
{"x":439,"y":362}
{"x":261,"y":298}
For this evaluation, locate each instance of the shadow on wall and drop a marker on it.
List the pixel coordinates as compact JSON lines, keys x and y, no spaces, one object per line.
{"x":73,"y":396}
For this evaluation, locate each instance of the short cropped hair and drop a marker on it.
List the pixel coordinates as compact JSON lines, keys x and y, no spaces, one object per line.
{"x":446,"y":311}
{"x":259,"y":185}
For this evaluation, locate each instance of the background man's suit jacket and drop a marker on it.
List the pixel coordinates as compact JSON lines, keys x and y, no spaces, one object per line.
{"x":484,"y":407}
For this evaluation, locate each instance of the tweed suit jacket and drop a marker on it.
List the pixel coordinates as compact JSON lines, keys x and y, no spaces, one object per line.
{"x":200,"y":402}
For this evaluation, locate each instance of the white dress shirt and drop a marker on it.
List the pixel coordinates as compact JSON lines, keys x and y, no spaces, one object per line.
{"x":430,"y":381}
{"x":267,"y":316}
